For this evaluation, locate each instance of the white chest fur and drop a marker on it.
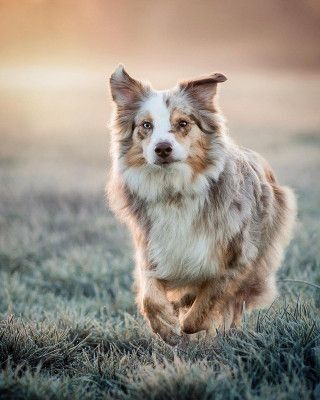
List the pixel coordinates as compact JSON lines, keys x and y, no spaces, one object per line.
{"x":179,"y":250}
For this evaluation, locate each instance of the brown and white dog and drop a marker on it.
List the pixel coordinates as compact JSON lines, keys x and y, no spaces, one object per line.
{"x":208,"y":218}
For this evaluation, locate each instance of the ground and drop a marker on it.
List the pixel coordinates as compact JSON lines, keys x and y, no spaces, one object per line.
{"x":69,"y":327}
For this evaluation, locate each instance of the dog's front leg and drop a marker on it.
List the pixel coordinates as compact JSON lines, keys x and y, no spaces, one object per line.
{"x":201,"y":314}
{"x":158,"y":310}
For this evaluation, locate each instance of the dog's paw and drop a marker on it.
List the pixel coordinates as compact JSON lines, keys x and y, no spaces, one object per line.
{"x":167,"y":329}
{"x":193,"y":322}
{"x":163,"y":320}
{"x":191,"y":325}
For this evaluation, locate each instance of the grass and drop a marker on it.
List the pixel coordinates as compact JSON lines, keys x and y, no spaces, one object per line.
{"x":69,"y":328}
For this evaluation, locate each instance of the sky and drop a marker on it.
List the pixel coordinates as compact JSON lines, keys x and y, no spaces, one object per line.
{"x":96,"y":33}
{"x":56,"y":55}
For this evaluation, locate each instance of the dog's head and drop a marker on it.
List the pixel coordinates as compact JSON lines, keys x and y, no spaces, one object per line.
{"x":163,"y":129}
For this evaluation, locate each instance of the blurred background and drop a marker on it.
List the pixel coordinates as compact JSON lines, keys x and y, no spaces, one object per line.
{"x":56,"y":57}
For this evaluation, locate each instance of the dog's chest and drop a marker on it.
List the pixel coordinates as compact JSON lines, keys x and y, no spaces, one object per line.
{"x":180,"y":249}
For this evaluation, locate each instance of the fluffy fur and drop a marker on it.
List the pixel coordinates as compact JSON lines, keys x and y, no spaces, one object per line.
{"x":209,"y":223}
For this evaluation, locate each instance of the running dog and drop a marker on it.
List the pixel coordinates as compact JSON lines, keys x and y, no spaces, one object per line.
{"x":208,"y":218}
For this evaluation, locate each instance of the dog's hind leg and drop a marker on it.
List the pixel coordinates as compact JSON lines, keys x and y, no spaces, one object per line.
{"x":213,"y":303}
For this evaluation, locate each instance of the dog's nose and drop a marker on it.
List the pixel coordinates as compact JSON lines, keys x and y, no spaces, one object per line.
{"x":163,"y":149}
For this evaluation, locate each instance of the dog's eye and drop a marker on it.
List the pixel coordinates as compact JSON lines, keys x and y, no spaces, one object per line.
{"x":147,"y":125}
{"x":183,"y":123}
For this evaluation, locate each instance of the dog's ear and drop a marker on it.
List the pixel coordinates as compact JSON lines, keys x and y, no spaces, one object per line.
{"x":203,"y":89}
{"x":124,"y":89}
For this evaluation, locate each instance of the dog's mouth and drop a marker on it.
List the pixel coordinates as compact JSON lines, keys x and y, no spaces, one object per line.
{"x":165,"y":163}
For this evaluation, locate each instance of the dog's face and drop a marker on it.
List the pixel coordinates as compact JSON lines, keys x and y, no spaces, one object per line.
{"x":165,"y":128}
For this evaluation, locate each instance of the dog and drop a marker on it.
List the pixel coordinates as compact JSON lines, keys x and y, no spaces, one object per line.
{"x":208,"y":218}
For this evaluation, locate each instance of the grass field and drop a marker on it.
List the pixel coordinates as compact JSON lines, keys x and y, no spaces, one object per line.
{"x":69,"y":327}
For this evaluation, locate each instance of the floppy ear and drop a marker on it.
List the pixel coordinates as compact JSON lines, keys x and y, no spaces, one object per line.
{"x":124,"y":89}
{"x":203,"y":89}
